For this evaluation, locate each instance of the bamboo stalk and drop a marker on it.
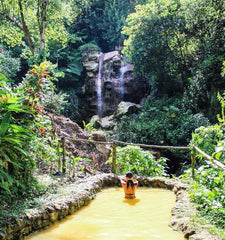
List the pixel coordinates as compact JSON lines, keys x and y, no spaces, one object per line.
{"x":217,"y":163}
{"x":59,"y":158}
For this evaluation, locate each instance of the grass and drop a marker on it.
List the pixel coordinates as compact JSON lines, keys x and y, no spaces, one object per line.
{"x":199,"y":221}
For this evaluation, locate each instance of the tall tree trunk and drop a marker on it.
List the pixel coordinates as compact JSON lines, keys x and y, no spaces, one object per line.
{"x":42,"y":25}
{"x":25,"y":28}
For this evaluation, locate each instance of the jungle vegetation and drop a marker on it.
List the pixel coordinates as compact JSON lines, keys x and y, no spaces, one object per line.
{"x":178,"y":45}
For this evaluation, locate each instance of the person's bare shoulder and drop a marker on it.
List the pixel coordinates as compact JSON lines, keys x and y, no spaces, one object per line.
{"x":123,"y":181}
{"x":135,"y":181}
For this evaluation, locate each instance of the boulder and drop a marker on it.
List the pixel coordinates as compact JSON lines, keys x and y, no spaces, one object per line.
{"x":112,"y":55}
{"x":108,"y":122}
{"x":126,"y":108}
{"x":95,"y":121}
{"x":91,"y":66}
{"x":99,"y":136}
{"x":103,"y":148}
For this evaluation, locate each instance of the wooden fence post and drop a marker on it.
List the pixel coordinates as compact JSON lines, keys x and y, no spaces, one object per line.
{"x":64,"y":156}
{"x":114,"y":157}
{"x":59,"y":158}
{"x":193,"y":165}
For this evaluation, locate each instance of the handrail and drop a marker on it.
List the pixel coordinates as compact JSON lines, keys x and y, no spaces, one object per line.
{"x":114,"y":142}
{"x":133,"y":144}
{"x":88,"y":140}
{"x":153,"y":146}
{"x":216,"y":162}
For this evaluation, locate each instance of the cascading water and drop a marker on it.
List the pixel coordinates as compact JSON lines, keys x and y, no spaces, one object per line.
{"x":123,"y":69}
{"x":99,"y":84}
{"x":105,"y":86}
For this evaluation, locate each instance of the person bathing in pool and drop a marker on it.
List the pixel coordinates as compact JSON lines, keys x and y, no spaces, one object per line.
{"x":129,"y":185}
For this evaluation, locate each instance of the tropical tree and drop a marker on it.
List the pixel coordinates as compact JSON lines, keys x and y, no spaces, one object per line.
{"x":101,"y":21}
{"x":179,"y":46}
{"x":205,"y":22}
{"x":156,"y":44}
{"x":34,"y":23}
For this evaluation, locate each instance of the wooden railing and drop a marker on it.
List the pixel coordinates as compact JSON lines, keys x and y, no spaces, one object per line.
{"x":216,"y":162}
{"x":115,"y":143}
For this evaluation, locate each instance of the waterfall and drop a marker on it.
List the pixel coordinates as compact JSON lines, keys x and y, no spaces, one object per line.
{"x":123,"y":69}
{"x":99,"y":84}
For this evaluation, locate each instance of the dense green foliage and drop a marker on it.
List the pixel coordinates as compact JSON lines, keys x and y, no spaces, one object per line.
{"x":101,"y":22}
{"x":8,"y":65}
{"x":40,"y":23}
{"x":208,"y":189}
{"x":208,"y":192}
{"x":161,"y":124}
{"x":179,"y":46}
{"x":24,"y":138}
{"x":155,"y":44}
{"x":131,"y":158}
{"x":15,"y":163}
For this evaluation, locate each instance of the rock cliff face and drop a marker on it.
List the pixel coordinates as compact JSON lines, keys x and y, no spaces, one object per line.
{"x":65,"y":128}
{"x":109,"y":81}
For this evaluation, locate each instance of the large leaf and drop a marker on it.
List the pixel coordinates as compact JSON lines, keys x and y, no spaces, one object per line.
{"x":7,"y":158}
{"x":15,"y":99}
{"x":19,"y":128}
{"x":5,"y":176}
{"x":21,"y":150}
{"x":18,"y":108}
{"x":13,"y":141}
{"x":5,"y":124}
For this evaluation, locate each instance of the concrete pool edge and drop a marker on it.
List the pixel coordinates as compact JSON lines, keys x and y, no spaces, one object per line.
{"x":80,"y":194}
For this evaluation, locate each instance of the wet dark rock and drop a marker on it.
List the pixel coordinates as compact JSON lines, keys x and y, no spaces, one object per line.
{"x":117,"y":84}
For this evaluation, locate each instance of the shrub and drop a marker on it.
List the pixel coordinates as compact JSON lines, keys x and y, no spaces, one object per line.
{"x":15,"y":135}
{"x":138,"y":161}
{"x":23,"y":131}
{"x":161,"y":124}
{"x":9,"y":66}
{"x":89,"y":48}
{"x":208,"y":139}
{"x":207,"y":191}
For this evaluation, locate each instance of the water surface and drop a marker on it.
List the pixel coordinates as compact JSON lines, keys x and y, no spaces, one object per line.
{"x":111,"y":217}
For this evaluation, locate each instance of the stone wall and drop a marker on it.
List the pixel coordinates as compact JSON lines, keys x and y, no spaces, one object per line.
{"x":80,"y":194}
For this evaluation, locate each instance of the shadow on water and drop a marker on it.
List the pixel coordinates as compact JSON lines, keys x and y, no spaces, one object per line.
{"x":132,"y":202}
